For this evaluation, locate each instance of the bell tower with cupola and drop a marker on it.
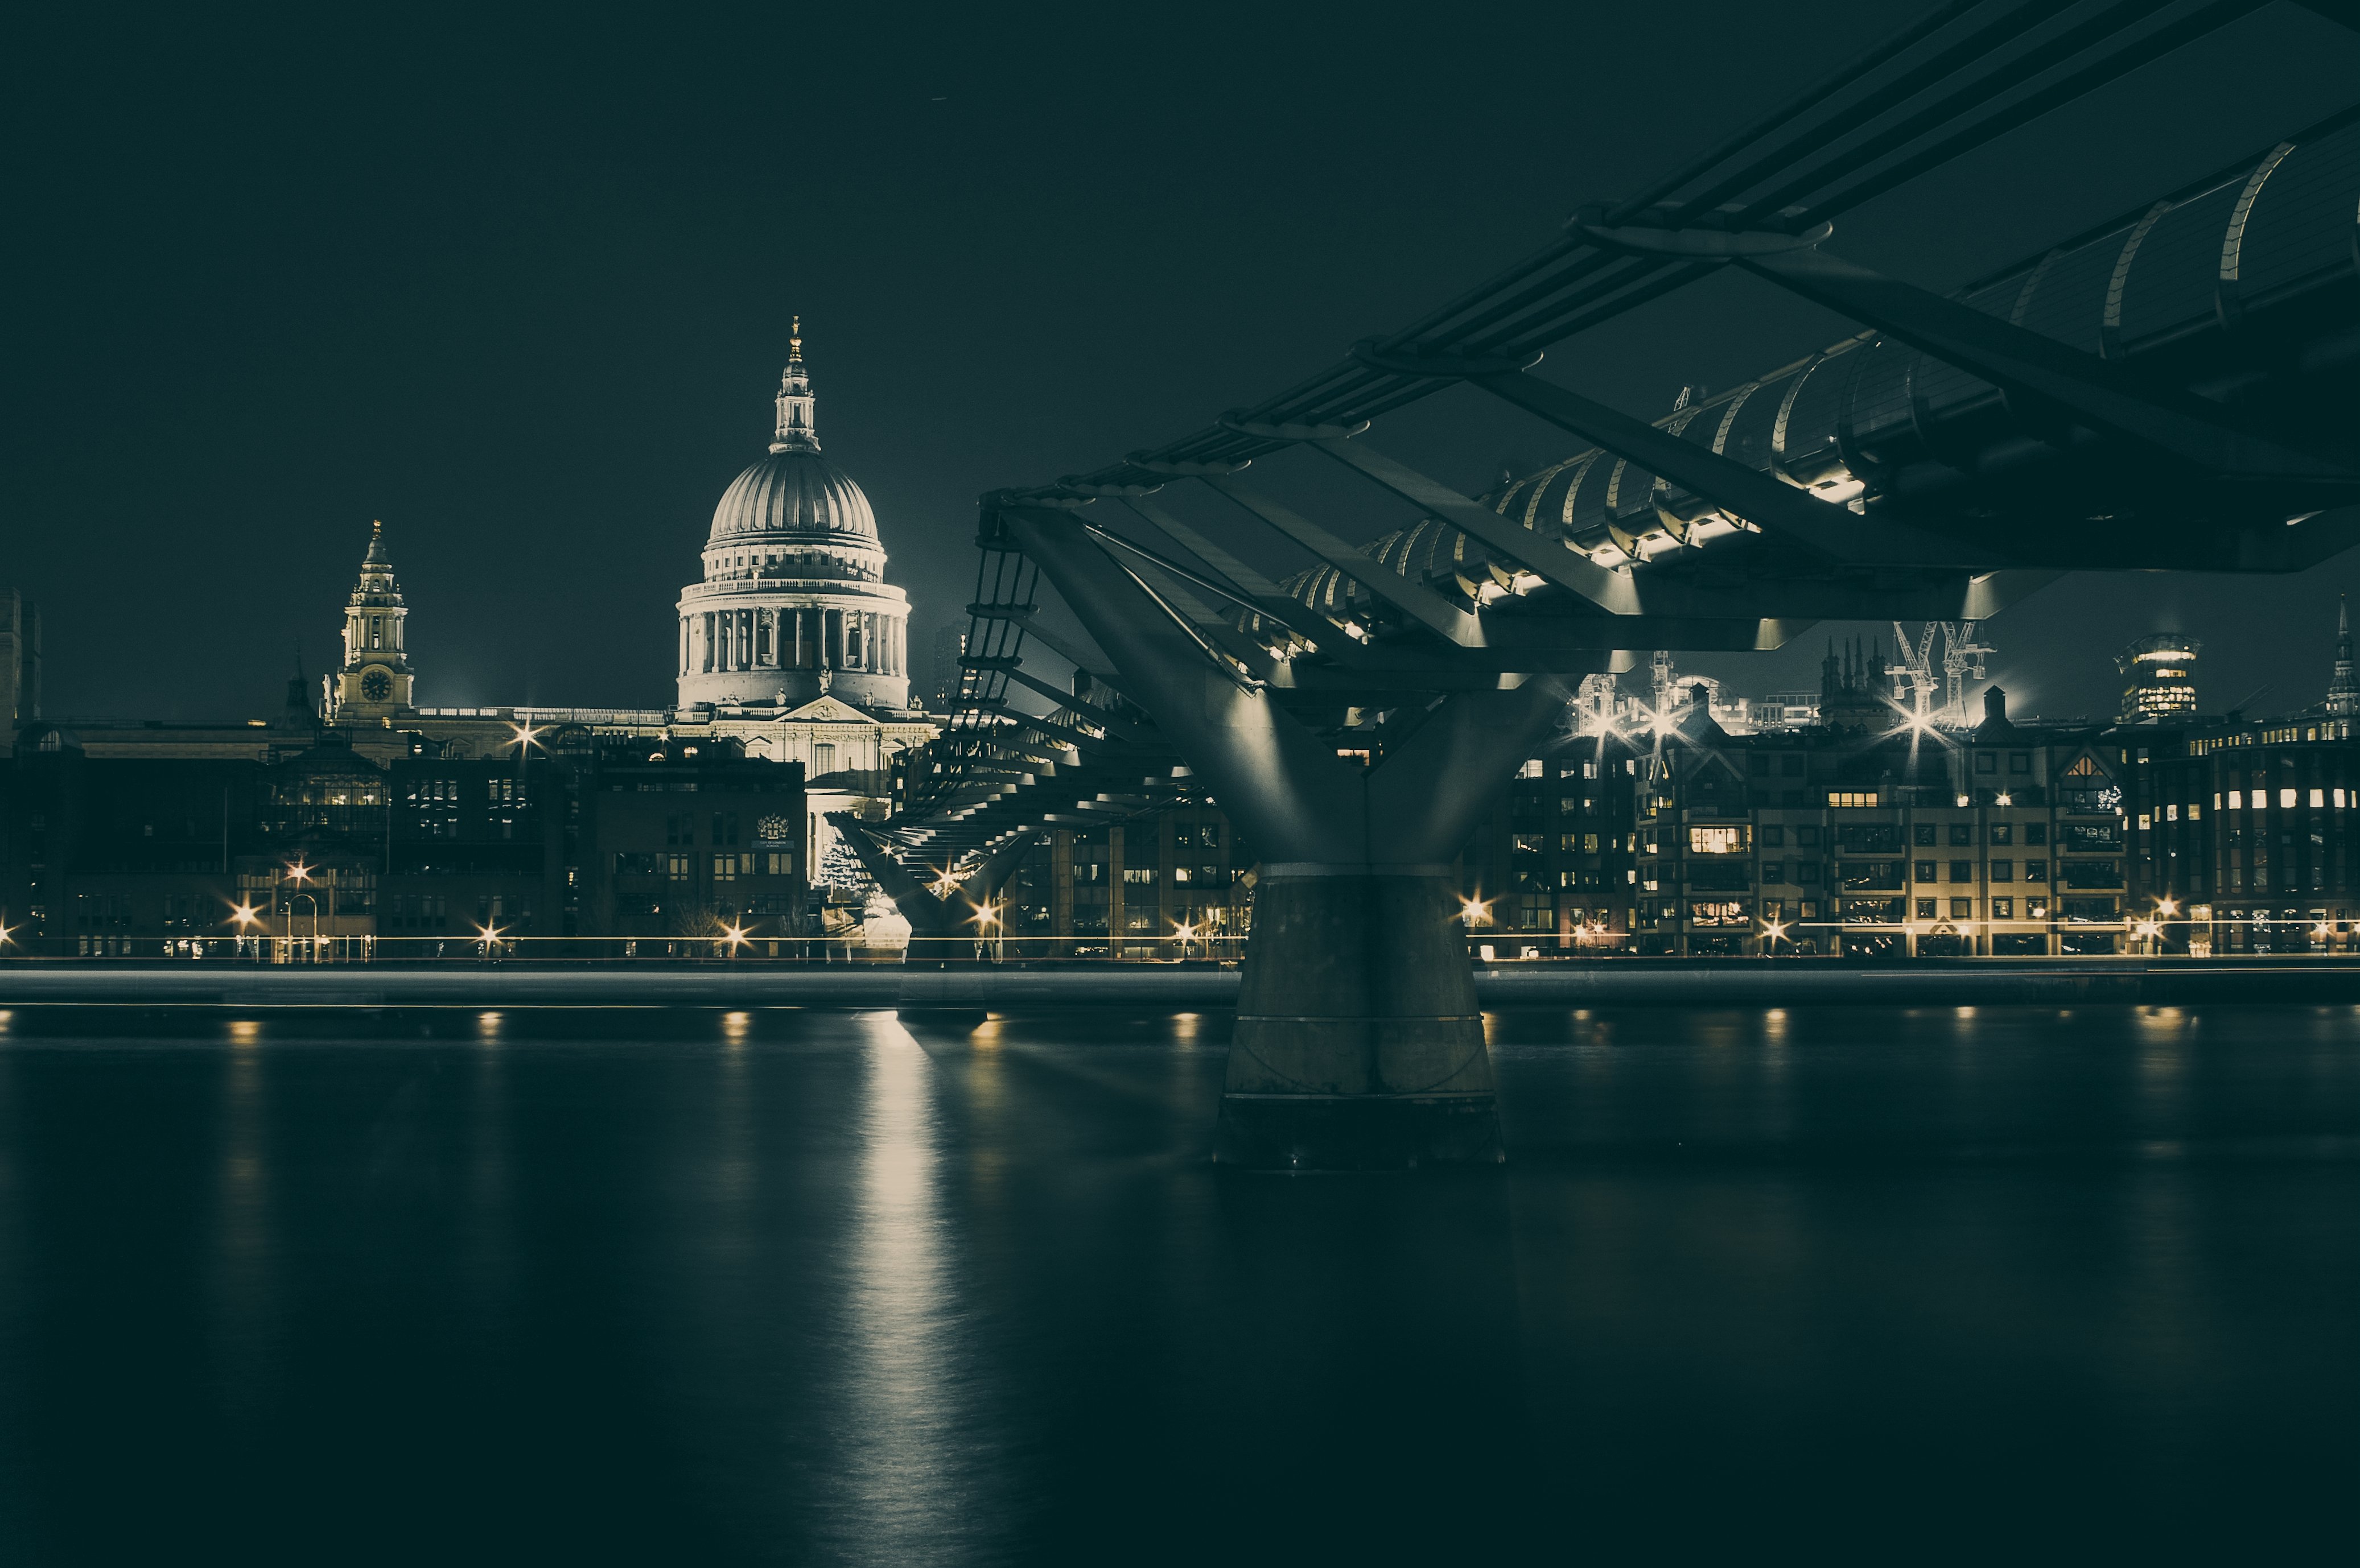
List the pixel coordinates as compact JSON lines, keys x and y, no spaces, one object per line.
{"x":374,"y":682}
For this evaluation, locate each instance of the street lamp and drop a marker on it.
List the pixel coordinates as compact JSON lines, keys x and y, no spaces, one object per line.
{"x":1186,"y":933}
{"x":299,"y":874}
{"x":1773,"y":933}
{"x":490,"y":936}
{"x":986,"y":920}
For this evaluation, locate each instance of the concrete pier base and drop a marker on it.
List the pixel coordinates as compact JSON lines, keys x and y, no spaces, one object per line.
{"x":1358,"y":1043}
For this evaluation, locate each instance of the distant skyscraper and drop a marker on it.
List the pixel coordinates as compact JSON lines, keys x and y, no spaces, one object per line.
{"x":2159,"y":678}
{"x":20,"y":661}
{"x":2343,"y":690}
{"x":950,"y":645}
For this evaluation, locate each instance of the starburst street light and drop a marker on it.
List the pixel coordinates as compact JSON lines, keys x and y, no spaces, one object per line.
{"x":945,"y":883}
{"x":299,"y":871}
{"x":1472,"y":910}
{"x":525,"y":734}
{"x":735,"y":936}
{"x":1773,"y":931}
{"x":5,"y":938}
{"x":244,"y":914}
{"x":2167,"y":905}
{"x":986,"y":915}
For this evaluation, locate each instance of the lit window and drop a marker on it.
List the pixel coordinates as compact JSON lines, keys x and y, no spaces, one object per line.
{"x":2319,"y":797}
{"x":2286,"y":797}
{"x":2237,"y":800}
{"x":1531,"y":770}
{"x":1717,"y":841}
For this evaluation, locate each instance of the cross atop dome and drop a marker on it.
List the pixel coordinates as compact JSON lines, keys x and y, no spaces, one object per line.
{"x":796,"y":431}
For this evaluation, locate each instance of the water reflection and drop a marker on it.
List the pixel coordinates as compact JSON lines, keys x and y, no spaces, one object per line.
{"x":242,"y":1273}
{"x":903,"y":1477}
{"x":795,"y":1286}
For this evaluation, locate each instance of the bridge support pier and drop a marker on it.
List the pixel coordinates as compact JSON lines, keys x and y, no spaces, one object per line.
{"x":1358,"y":1045}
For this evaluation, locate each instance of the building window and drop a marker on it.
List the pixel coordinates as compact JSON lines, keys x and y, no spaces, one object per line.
{"x":2019,"y":762}
{"x":1962,"y":832}
{"x":1774,"y":836}
{"x":1852,"y":799}
{"x":1927,"y":872}
{"x":1926,"y":908}
{"x":2003,"y":870}
{"x":1987,"y":762}
{"x":1963,"y":909}
{"x":725,"y":868}
{"x":676,"y":866}
{"x":1927,"y":834}
{"x":1718,"y":840}
{"x":2003,"y":909}
{"x":1772,"y":872}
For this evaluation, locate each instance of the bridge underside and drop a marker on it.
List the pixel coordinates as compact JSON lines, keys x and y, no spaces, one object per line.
{"x":2074,"y":412}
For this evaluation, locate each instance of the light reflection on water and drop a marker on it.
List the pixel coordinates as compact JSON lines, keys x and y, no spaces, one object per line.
{"x":782,"y":1286}
{"x":906,"y":1475}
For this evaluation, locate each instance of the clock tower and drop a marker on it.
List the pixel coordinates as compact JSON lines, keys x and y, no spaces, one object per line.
{"x":374,"y":682}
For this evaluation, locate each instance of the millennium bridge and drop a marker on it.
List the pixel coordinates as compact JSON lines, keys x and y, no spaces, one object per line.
{"x":2166,"y":390}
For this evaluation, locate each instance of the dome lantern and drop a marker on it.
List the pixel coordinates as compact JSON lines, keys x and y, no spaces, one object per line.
{"x":798,"y":431}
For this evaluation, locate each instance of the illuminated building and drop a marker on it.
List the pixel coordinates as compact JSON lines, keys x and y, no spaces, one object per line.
{"x":2343,"y":687}
{"x":2160,"y":675}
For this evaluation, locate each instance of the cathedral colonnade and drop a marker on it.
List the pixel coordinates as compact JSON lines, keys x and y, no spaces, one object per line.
{"x":801,"y":636}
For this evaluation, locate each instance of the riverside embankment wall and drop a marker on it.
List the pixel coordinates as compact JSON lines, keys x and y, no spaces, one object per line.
{"x":1630,"y":983}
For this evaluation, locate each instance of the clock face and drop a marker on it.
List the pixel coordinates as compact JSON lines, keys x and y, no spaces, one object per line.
{"x":377,"y":685}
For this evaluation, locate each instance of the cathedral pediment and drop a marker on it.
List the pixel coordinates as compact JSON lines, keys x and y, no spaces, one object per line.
{"x":826,"y":711}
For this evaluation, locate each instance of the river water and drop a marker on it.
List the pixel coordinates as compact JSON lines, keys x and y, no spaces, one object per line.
{"x":642,"y":1286}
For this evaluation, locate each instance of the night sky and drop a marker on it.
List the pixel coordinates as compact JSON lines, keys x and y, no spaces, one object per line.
{"x":521,"y":289}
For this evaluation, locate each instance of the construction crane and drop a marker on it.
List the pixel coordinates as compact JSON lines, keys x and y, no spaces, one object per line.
{"x":1917,"y":670}
{"x":1962,"y":656}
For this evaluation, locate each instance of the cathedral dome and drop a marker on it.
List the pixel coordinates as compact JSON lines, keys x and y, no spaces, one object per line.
{"x":793,"y":604}
{"x":796,"y":497}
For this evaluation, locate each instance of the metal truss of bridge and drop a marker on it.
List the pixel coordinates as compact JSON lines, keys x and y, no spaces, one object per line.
{"x":2167,"y":390}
